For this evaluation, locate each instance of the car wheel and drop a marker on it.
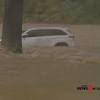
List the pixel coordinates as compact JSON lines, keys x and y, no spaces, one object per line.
{"x":61,"y":44}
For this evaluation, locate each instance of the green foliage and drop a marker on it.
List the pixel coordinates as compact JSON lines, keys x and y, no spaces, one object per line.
{"x":60,"y":11}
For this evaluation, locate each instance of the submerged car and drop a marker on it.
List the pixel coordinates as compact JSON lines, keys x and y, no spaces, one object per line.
{"x":47,"y":37}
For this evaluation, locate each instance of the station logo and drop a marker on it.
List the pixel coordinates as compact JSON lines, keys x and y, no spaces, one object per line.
{"x":89,"y":88}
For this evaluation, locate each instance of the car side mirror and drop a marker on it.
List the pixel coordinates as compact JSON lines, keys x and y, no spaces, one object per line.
{"x":25,"y":36}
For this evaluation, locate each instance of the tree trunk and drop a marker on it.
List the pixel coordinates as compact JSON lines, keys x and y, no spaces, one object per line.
{"x":12,"y":25}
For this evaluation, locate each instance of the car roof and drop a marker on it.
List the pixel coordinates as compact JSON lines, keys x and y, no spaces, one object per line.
{"x":61,"y":28}
{"x":65,"y":29}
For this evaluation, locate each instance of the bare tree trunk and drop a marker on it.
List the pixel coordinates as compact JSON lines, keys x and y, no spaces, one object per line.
{"x":12,"y":25}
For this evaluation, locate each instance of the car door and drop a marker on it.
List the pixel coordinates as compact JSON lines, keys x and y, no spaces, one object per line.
{"x":45,"y":37}
{"x":30,"y":39}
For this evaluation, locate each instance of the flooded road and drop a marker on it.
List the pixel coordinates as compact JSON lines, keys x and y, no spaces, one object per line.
{"x":53,"y":73}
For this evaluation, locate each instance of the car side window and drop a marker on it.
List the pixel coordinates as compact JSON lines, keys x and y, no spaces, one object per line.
{"x":31,"y":33}
{"x":47,"y":32}
{"x":54,"y":32}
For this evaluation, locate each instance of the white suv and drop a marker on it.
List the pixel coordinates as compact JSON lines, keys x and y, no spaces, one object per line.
{"x":47,"y":37}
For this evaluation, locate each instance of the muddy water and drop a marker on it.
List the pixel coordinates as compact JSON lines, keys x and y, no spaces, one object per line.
{"x":53,"y":73}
